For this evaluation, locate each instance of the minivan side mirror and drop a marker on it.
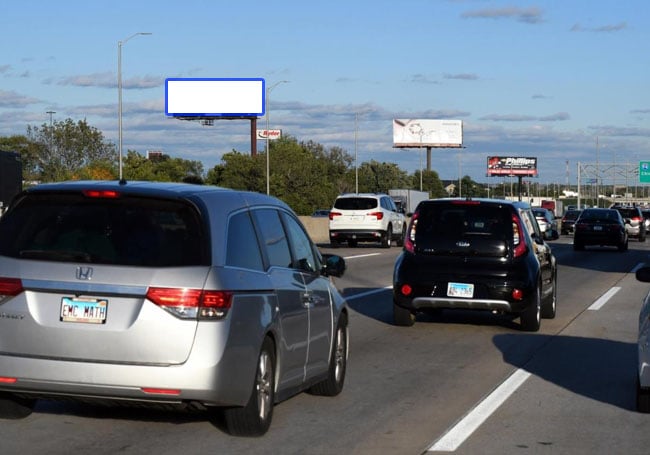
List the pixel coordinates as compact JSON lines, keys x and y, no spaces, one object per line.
{"x":333,"y":265}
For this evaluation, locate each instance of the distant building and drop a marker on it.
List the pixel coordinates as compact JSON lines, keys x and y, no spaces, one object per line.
{"x":154,"y":154}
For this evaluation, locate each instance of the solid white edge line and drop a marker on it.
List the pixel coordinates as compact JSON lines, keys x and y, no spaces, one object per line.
{"x":362,"y":256}
{"x":598,"y":304}
{"x":454,"y":437}
{"x":364,"y":294}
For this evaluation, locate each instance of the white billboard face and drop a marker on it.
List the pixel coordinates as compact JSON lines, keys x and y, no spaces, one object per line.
{"x":214,"y":97}
{"x":427,"y":133}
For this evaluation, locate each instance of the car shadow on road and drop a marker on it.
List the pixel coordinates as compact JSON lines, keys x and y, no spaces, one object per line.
{"x":603,"y":370}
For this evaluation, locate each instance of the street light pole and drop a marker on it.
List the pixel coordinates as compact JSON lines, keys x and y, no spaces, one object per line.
{"x":119,"y":94}
{"x":268,"y":110}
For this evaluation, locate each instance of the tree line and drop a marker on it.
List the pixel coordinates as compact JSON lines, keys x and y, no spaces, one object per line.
{"x":304,"y":174}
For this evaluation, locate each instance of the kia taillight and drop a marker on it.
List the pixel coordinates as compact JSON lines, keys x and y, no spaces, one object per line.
{"x":192,"y":303}
{"x":10,"y":287}
{"x":409,"y":238}
{"x":518,"y":237}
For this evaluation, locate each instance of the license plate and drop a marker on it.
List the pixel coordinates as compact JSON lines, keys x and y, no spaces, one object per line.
{"x":460,"y":290}
{"x":88,"y":311}
{"x":598,"y":228}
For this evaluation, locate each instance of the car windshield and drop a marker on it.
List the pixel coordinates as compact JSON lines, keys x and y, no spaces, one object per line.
{"x":571,"y":215}
{"x":69,"y":227}
{"x":355,"y":203}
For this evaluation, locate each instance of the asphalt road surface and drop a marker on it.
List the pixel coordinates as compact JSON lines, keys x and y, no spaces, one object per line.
{"x":461,"y":382}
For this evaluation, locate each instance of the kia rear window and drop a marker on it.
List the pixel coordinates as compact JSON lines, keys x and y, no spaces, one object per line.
{"x":134,"y":231}
{"x":355,"y":203}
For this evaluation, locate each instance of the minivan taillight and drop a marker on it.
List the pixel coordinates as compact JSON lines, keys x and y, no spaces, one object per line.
{"x":409,"y":238}
{"x":10,"y":287}
{"x":518,"y":237}
{"x":192,"y":303}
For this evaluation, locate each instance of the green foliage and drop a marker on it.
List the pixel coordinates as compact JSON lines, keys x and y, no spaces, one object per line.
{"x":161,"y":168}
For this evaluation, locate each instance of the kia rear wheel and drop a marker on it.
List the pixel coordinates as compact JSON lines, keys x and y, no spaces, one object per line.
{"x":531,"y":316}
{"x":402,"y":316}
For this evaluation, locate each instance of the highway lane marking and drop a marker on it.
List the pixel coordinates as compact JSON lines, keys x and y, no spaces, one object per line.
{"x":598,"y":304}
{"x":367,"y":293}
{"x":455,"y":436}
{"x":362,"y":256}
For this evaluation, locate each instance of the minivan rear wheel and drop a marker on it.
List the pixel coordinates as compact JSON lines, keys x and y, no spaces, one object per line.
{"x":333,"y":385}
{"x":254,"y":419}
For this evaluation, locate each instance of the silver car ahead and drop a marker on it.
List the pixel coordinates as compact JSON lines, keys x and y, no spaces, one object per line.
{"x":165,"y":293}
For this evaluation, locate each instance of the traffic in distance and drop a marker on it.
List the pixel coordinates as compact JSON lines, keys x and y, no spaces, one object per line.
{"x":256,"y":323}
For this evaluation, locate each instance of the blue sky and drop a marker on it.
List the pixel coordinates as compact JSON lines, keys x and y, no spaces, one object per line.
{"x":544,"y":78}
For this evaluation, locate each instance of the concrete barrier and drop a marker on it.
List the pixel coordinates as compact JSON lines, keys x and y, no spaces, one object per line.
{"x":317,"y":228}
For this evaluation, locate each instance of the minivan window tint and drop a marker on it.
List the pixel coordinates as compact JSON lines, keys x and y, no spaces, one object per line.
{"x":302,"y":250}
{"x":242,"y":248}
{"x":137,"y":231}
{"x":273,"y":239}
{"x":355,"y":203}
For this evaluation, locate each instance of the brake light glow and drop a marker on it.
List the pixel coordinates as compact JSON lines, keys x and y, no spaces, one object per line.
{"x":8,"y":380}
{"x":518,"y":237}
{"x":104,"y":194}
{"x":192,"y":303}
{"x":10,"y":287}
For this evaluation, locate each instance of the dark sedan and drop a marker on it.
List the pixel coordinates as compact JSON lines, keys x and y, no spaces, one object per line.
{"x":601,"y":227}
{"x":569,"y":220}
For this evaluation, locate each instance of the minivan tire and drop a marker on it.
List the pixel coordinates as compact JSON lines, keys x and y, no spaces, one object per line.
{"x":15,"y":408}
{"x":255,"y":418}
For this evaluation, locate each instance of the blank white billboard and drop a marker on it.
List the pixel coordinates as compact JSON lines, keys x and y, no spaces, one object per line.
{"x":214,"y":97}
{"x":427,"y":133}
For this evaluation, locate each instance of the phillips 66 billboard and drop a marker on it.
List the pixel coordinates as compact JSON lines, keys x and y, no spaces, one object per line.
{"x":427,"y":133}
{"x":510,"y":165}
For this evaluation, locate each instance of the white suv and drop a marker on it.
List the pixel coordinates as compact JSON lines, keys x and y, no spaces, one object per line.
{"x":366,"y":217}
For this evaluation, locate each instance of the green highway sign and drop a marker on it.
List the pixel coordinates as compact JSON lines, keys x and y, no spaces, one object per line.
{"x":644,"y":171}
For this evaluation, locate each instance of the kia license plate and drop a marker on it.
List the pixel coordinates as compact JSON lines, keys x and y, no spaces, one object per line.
{"x":464,"y":290}
{"x":84,"y":310}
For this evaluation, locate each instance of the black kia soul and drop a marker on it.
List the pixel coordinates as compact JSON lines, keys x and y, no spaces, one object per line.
{"x":482,"y":254}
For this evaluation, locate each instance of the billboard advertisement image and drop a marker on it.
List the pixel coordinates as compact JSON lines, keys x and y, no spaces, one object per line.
{"x":510,"y":165}
{"x":427,"y":133}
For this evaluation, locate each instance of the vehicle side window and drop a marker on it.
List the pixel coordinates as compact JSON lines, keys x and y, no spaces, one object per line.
{"x":531,"y":223}
{"x":274,"y":239}
{"x":303,"y":253}
{"x":242,"y":249}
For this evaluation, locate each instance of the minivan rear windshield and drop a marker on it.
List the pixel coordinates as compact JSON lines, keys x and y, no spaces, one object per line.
{"x":129,"y":230}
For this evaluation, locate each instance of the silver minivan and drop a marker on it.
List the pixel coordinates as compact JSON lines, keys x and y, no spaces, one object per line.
{"x":165,"y":293}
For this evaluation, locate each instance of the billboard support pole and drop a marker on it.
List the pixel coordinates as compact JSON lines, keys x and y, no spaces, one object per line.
{"x":254,"y":136}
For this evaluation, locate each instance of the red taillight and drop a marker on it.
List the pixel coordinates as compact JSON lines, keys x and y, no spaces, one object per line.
{"x":406,"y":289}
{"x":517,"y":294}
{"x":7,"y":380}
{"x":105,"y":194}
{"x":10,"y":287}
{"x":518,"y":237}
{"x":409,"y":238}
{"x":192,"y":303}
{"x":378,"y":215}
{"x":334,"y":214}
{"x":156,"y":391}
